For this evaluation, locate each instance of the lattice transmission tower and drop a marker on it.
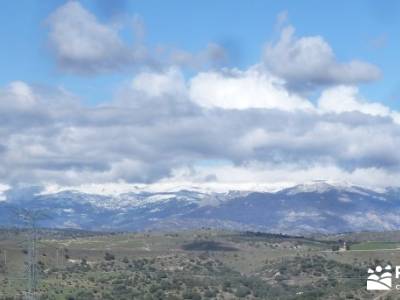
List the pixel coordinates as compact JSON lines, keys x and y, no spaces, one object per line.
{"x":30,"y":220}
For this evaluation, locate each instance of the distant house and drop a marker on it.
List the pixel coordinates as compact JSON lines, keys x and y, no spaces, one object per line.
{"x":343,"y":247}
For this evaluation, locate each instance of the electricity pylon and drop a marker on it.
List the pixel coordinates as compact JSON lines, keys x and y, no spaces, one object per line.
{"x":30,"y":220}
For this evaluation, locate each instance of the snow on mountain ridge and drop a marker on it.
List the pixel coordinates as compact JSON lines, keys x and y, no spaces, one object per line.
{"x":112,"y":189}
{"x":127,"y":200}
{"x":328,"y":206}
{"x":322,"y":186}
{"x":208,"y":188}
{"x":126,"y":196}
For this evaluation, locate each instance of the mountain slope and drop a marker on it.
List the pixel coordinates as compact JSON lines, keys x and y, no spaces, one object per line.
{"x":315,"y":207}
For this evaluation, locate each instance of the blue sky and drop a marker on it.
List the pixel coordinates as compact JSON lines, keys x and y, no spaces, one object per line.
{"x":366,"y":30}
{"x":228,"y":92}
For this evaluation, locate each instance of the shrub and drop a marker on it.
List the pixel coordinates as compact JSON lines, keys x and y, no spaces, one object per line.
{"x":242,"y":292}
{"x":191,"y":295}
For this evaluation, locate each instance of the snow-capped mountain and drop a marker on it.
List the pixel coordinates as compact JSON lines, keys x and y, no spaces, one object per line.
{"x":313,"y":207}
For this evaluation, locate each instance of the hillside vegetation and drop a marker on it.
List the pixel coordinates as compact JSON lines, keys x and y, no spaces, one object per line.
{"x":203,"y":264}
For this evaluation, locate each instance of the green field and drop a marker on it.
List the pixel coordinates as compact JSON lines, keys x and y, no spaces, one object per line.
{"x":375,"y":245}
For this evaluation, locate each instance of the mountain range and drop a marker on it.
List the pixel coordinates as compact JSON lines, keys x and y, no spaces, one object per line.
{"x":316,"y":207}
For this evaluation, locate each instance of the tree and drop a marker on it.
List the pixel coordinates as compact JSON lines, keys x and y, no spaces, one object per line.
{"x":108,"y":256}
{"x":335,"y":248}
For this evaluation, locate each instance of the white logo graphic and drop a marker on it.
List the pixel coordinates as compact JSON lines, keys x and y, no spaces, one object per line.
{"x":380,"y":279}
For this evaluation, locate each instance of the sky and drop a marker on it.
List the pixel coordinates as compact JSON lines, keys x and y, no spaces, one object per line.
{"x":205,"y":92}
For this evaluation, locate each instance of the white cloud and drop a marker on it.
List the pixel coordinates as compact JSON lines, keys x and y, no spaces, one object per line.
{"x":265,"y":176}
{"x":3,"y":188}
{"x":82,"y":44}
{"x":18,"y":95}
{"x":307,"y":62}
{"x":157,"y":84}
{"x":162,"y":126}
{"x":347,"y":99}
{"x":242,"y":90}
{"x":154,"y":127}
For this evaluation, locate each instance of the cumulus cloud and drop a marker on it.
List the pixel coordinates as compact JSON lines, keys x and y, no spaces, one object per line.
{"x":220,"y":125}
{"x":84,"y":45}
{"x":244,"y":89}
{"x":347,"y":99}
{"x":309,"y":62}
{"x":156,"y":125}
{"x":264,"y":176}
{"x":160,"y":84}
{"x":213,"y":55}
{"x":20,"y":94}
